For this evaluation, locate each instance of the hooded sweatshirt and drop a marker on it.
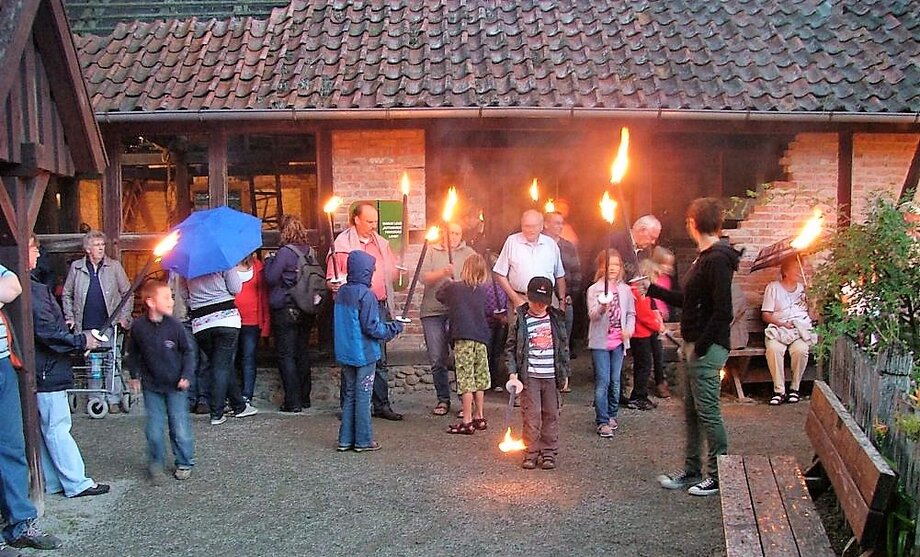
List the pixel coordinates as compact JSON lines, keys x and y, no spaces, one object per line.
{"x":707,"y":298}
{"x":358,"y":328}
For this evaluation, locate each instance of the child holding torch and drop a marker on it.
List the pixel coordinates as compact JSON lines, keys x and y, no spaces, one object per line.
{"x":538,"y":351}
{"x":610,"y":327}
{"x":470,"y":334}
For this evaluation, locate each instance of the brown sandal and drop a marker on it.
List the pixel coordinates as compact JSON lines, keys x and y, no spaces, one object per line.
{"x":480,"y":423}
{"x":462,"y":429}
{"x":441,"y":408}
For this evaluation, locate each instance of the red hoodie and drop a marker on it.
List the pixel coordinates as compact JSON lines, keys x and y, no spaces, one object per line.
{"x":647,"y":321}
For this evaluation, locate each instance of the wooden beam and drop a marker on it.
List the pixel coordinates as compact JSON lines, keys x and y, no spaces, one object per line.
{"x":111,"y":198}
{"x":324,"y":185}
{"x":16,"y":257}
{"x":913,"y":175}
{"x":844,"y":178}
{"x":217,"y":168}
{"x":16,"y":44}
{"x":183,"y":188}
{"x":10,"y":235}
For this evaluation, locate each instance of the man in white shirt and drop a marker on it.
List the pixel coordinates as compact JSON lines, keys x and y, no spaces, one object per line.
{"x":528,"y":254}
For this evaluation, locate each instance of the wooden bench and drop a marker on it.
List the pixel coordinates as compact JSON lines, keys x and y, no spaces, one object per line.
{"x":766,"y":509}
{"x":863,"y":482}
{"x":739,"y":359}
{"x":766,"y":506}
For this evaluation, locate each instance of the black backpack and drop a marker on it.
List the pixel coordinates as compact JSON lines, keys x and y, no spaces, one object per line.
{"x":309,"y":291}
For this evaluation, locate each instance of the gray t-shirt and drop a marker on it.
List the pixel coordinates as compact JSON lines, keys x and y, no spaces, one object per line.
{"x":436,"y":258}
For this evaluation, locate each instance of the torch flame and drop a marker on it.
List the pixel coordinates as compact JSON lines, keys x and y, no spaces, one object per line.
{"x":405,"y":183}
{"x":482,"y":217}
{"x":534,"y":191}
{"x":810,"y":231}
{"x":510,"y":444}
{"x":608,"y":207}
{"x":166,"y":244}
{"x":550,"y":207}
{"x":432,"y":234}
{"x":621,"y":162}
{"x":722,"y":374}
{"x":332,"y":204}
{"x":450,"y":204}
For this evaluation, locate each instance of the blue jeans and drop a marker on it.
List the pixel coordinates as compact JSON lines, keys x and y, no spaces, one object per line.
{"x":219,"y":345}
{"x":15,"y":506}
{"x":171,"y":407}
{"x":607,"y":367}
{"x":435,"y":329}
{"x":249,"y":340}
{"x":62,"y":462}
{"x":356,"y":429}
{"x":200,"y":388}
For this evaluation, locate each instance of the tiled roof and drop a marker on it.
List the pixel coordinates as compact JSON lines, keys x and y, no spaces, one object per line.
{"x":99,"y":17}
{"x":739,"y":55}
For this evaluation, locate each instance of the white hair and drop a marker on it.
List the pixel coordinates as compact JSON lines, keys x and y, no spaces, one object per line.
{"x":645,"y":222}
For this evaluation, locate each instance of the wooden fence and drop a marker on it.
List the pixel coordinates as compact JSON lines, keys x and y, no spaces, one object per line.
{"x":873,"y":388}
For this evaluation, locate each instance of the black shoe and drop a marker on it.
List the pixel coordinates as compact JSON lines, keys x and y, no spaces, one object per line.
{"x":36,"y":539}
{"x":7,"y":551}
{"x":202,"y":408}
{"x":643,"y":404}
{"x":98,"y":489}
{"x":388,"y":414}
{"x":292,"y":410}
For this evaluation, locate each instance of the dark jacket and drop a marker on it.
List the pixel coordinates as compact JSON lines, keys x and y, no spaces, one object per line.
{"x":466,"y":310}
{"x":622,"y":242}
{"x":280,"y":274}
{"x":358,"y":328}
{"x":53,"y":342}
{"x":706,"y":299}
{"x":160,"y":354}
{"x":517,"y":347}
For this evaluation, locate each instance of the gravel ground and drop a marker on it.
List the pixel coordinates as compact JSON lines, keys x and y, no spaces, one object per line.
{"x":273,"y":485}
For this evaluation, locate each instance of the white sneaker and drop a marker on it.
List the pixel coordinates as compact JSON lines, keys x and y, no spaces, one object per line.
{"x":218,"y":421}
{"x":709,"y":486}
{"x":679,"y":479}
{"x":250,"y":410}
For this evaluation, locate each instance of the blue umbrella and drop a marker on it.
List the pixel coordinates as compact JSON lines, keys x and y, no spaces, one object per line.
{"x":213,"y":241}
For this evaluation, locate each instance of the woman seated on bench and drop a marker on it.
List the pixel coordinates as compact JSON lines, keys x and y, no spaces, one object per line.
{"x":785,"y":312}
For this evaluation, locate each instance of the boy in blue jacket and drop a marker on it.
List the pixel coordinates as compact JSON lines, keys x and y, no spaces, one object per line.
{"x":358,"y":332}
{"x":163,"y":358}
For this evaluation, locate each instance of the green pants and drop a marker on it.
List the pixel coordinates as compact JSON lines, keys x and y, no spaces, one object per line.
{"x":701,"y":408}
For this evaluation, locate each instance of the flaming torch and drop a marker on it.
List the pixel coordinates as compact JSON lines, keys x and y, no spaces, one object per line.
{"x":431,"y":236}
{"x":534,"y":192}
{"x":621,"y":162}
{"x":810,"y":232}
{"x":161,"y":249}
{"x":404,"y":186}
{"x":510,"y":444}
{"x":329,"y":208}
{"x":608,"y":210}
{"x":550,"y":207}
{"x":449,"y":205}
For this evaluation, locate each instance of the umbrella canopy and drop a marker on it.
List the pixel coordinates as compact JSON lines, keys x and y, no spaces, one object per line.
{"x":213,"y":241}
{"x":774,"y":254}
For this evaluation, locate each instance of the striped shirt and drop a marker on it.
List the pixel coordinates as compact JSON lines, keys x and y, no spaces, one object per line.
{"x":4,"y":338}
{"x":540,"y":361}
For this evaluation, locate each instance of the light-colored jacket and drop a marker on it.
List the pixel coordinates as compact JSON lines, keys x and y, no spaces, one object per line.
{"x":598,"y":321}
{"x":112,"y":279}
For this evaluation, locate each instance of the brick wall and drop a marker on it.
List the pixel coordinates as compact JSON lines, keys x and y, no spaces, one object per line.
{"x":880,"y":163}
{"x":368,"y":164}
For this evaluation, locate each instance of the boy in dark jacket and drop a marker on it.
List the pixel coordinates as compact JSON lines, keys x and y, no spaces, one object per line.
{"x":538,"y":351}
{"x":62,"y":462}
{"x":358,"y":334}
{"x":163,"y":360}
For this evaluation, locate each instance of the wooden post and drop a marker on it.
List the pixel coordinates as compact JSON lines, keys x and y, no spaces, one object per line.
{"x":19,"y":192}
{"x":217,"y":168}
{"x":844,"y":178}
{"x":111,"y":198}
{"x":913,"y":176}
{"x":324,"y":186}
{"x":183,"y":188}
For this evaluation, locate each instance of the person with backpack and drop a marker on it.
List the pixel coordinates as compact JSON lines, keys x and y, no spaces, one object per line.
{"x":297,"y":291}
